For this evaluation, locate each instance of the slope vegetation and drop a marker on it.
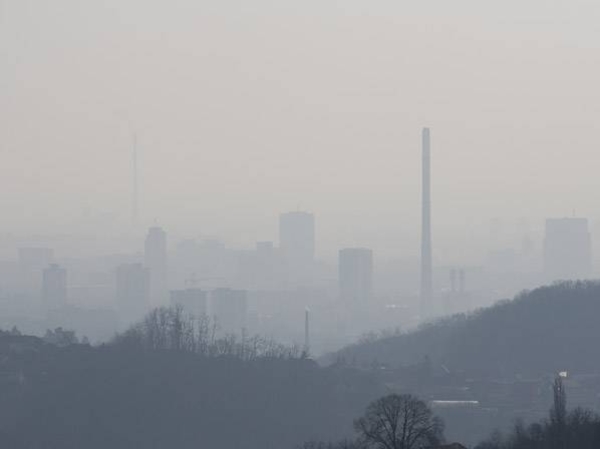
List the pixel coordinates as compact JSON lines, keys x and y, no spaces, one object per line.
{"x":549,"y":329}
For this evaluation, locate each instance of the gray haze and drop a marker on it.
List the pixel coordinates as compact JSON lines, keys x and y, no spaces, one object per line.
{"x":247,"y":109}
{"x":264,"y":223}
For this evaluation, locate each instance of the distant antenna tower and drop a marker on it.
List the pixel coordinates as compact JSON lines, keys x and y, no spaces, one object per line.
{"x":135,"y":199}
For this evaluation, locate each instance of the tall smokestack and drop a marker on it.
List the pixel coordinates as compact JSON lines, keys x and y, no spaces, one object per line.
{"x":135,"y":193}
{"x":426,"y":268}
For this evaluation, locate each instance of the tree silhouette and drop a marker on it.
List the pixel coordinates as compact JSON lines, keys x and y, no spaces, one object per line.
{"x":577,"y":429}
{"x":399,"y":422}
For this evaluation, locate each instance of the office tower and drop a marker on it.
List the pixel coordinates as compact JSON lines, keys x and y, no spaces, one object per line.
{"x":263,"y":268}
{"x":54,"y":287}
{"x":230,"y":308}
{"x":192,"y":300}
{"x":132,"y":291}
{"x":297,"y":244}
{"x":426,"y":264}
{"x":355,"y":275}
{"x":155,"y":260}
{"x":32,"y":263}
{"x":264,"y":248}
{"x":567,"y":249}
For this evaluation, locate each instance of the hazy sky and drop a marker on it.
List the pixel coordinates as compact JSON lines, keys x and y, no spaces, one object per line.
{"x":248,"y":108}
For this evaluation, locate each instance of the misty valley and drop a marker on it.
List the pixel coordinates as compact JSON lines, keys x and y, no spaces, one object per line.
{"x":169,"y":381}
{"x":316,"y":224}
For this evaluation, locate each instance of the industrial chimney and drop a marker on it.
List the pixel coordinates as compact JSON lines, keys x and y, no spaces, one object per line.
{"x":426,"y":267}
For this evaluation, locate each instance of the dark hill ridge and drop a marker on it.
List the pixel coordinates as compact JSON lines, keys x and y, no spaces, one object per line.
{"x":546,"y":330}
{"x":117,"y":396}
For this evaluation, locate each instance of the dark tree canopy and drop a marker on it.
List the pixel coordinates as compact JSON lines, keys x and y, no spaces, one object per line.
{"x":170,"y":383}
{"x":576,"y":429}
{"x":399,"y":422}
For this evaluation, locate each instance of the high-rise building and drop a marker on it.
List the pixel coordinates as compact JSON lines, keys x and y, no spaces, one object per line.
{"x":32,"y":263}
{"x":264,"y":249}
{"x":355,"y":275}
{"x":54,"y":287}
{"x":192,"y":300}
{"x":426,"y":262}
{"x":155,"y":259}
{"x":567,"y":249}
{"x":297,"y":244}
{"x":132,"y":291}
{"x":260,"y":269}
{"x":230,"y":308}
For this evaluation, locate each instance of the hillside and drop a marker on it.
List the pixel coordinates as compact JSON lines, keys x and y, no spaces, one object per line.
{"x":125,"y":395}
{"x":546,"y":330}
{"x":167,"y":383}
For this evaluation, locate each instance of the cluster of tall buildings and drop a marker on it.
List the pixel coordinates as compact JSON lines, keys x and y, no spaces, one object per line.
{"x":567,"y":252}
{"x":269,"y":288}
{"x":272,"y":271}
{"x":246,"y":288}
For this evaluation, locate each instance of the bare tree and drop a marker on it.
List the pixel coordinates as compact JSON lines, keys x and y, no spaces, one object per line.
{"x":399,"y":422}
{"x":174,"y":329}
{"x":61,"y":337}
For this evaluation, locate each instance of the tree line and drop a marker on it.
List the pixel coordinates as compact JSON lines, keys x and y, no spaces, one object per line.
{"x":563,"y":429}
{"x":174,"y":329}
{"x":526,"y":336}
{"x":170,"y":381}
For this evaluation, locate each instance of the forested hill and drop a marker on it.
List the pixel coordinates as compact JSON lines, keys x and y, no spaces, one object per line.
{"x":152,"y":390}
{"x":546,"y":330}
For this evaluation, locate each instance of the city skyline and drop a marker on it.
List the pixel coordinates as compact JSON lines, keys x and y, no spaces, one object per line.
{"x":339,"y":142}
{"x":340,"y":224}
{"x":289,"y":185}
